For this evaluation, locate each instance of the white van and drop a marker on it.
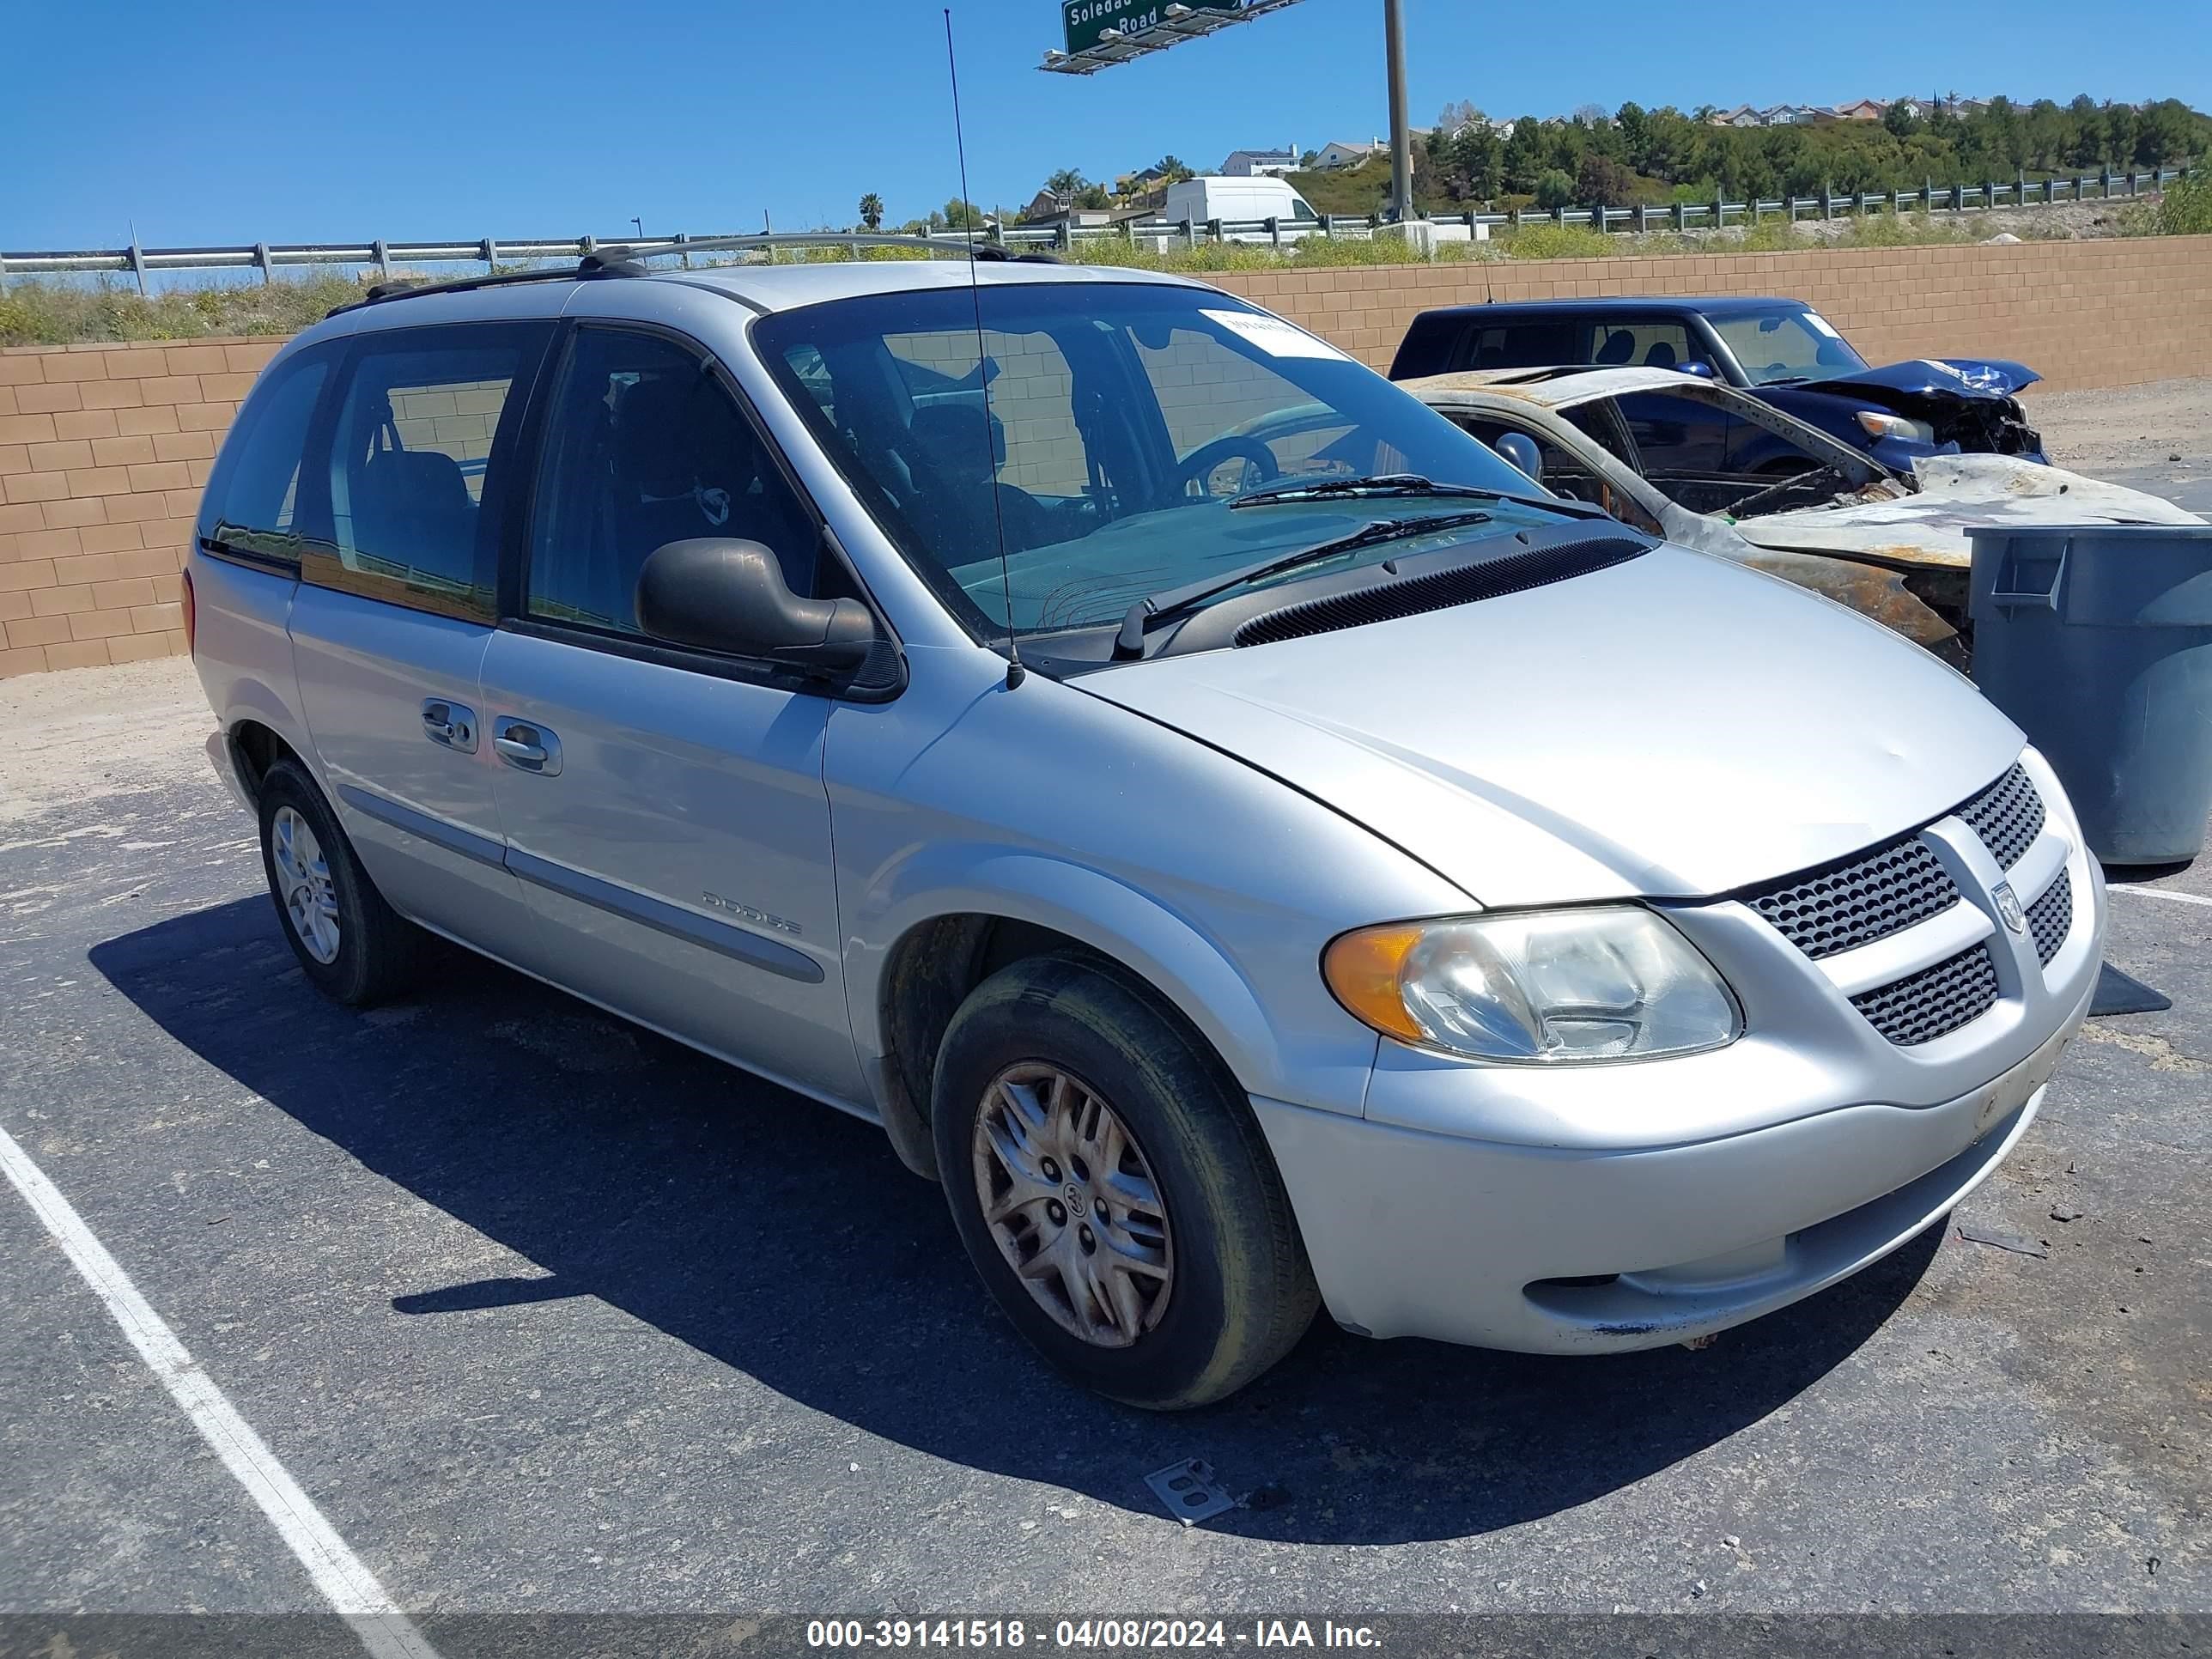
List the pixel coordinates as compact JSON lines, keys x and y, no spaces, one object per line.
{"x":1248,"y":202}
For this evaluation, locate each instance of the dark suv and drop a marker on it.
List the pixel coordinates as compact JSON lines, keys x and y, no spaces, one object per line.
{"x":1780,"y":350}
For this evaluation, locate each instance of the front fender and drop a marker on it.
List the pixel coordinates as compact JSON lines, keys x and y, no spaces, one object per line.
{"x":1173,"y":953}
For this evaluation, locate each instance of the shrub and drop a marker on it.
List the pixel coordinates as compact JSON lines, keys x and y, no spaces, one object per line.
{"x":2186,"y":209}
{"x":1554,"y":189}
{"x":1558,"y":242}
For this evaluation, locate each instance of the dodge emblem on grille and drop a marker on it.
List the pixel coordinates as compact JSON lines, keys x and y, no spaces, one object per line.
{"x":2008,"y":908}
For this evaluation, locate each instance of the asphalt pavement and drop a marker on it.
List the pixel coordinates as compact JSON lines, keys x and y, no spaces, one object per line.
{"x":549,"y":1316}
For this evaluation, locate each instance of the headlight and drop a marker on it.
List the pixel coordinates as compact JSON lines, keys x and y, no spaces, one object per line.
{"x":1876,"y":424}
{"x":1612,"y":982}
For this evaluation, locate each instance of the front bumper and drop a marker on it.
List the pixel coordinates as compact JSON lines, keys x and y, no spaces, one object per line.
{"x":1612,"y":1208}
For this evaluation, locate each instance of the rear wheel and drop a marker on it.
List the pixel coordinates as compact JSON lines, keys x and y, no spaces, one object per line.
{"x":1113,"y":1189}
{"x":353,"y":947}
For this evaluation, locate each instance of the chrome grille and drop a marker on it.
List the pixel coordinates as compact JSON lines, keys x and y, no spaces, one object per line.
{"x":2051,"y":918}
{"x":1865,"y":897}
{"x":2008,"y":816}
{"x":1922,"y":1007}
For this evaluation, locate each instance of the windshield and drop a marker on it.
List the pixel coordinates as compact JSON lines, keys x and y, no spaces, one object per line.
{"x":1786,"y":344}
{"x":1123,"y":422}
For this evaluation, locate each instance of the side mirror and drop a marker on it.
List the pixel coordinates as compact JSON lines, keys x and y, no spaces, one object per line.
{"x":1699,"y":366}
{"x":1519,"y":448}
{"x":730,"y":596}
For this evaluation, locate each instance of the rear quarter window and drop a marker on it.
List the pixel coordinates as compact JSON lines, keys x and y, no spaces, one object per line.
{"x":254,"y":505}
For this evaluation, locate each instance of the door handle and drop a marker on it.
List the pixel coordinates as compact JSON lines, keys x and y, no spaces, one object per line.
{"x":527,"y":747}
{"x":450,"y":723}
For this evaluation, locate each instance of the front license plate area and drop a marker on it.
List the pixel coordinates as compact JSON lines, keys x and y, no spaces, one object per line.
{"x":1999,"y":1100}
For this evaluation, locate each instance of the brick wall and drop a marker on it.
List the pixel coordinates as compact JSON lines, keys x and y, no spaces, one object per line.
{"x":103,"y":448}
{"x":2088,"y":313}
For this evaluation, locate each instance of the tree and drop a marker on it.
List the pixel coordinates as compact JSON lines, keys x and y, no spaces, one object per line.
{"x":1899,"y":120}
{"x":957,"y":214}
{"x":1554,"y":189}
{"x":1066,"y":183}
{"x":1172,"y":170}
{"x":2085,"y":146}
{"x":1526,"y":155}
{"x":1092,"y":196}
{"x":1602,"y":182}
{"x":871,"y":211}
{"x":1455,"y":116}
{"x":1635,"y":127}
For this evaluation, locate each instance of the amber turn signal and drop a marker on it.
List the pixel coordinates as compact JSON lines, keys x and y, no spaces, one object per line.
{"x":1362,"y":969}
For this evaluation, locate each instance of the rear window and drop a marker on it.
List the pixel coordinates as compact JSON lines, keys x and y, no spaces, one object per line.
{"x":253,"y":504}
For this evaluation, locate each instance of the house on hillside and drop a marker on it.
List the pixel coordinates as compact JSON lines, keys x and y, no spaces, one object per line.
{"x":1862,"y":109}
{"x":1337,"y":153}
{"x":1135,"y":183}
{"x":1913,"y":108}
{"x":1792,"y":115}
{"x":1743,"y":115}
{"x":1262,"y":163}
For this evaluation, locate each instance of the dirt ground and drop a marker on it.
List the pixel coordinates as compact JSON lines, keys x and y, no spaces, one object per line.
{"x":2167,"y":425}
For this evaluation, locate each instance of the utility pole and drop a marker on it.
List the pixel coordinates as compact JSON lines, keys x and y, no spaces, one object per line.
{"x":1401,"y":138}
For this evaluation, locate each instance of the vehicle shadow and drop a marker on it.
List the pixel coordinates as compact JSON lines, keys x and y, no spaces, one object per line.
{"x":783,"y":1240}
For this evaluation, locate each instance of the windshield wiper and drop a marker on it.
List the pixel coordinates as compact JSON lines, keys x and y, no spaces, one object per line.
{"x":1176,"y":601}
{"x":1377,"y":483}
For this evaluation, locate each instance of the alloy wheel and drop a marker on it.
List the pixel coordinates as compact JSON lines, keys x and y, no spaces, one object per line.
{"x":303,"y":878}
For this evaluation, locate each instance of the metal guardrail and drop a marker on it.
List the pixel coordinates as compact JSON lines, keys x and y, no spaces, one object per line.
{"x":268,"y":257}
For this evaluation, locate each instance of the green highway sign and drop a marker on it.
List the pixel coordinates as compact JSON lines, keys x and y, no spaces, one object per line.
{"x":1087,"y":19}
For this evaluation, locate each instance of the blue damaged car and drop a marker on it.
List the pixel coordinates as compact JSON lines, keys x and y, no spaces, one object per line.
{"x":1782,"y":351}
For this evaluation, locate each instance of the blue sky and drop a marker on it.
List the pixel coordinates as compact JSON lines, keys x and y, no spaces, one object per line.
{"x":309,"y":121}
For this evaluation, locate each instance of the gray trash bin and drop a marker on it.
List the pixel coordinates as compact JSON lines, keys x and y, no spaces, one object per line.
{"x":2097,"y":641}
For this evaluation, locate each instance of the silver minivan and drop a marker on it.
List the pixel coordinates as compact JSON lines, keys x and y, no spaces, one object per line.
{"x":1250,"y":845}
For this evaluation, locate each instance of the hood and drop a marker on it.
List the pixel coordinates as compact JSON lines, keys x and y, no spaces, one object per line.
{"x":1676,"y":725}
{"x":1937,"y":377}
{"x":1886,"y":525}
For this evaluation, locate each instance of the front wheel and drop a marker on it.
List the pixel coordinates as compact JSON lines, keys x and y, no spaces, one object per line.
{"x":1112,"y":1187}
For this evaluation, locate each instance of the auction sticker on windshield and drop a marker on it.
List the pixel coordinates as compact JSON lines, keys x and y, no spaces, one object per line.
{"x":1273,"y":335}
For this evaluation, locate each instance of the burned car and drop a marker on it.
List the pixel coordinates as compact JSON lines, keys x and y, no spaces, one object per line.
{"x":1660,"y":450}
{"x":1783,"y":352}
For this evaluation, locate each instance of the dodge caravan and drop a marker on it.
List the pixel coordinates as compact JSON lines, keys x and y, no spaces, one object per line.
{"x":1253,"y":874}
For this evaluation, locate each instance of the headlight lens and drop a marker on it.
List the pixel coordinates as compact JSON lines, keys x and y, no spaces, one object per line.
{"x":1878,"y":424}
{"x":1613,"y":982}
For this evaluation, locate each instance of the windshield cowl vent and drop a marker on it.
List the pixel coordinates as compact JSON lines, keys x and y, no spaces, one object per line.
{"x":1538,"y":566}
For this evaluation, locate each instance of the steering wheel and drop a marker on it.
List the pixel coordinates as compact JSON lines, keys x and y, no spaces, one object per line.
{"x":1202,"y":461}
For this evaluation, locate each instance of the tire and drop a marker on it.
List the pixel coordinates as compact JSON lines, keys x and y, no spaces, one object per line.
{"x":369,"y":953}
{"x":1237,"y":1293}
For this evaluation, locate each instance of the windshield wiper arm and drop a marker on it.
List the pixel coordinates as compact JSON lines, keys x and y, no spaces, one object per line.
{"x":1377,"y":483}
{"x":1175,"y":601}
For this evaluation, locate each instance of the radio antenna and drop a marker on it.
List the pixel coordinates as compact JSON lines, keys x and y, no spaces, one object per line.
{"x":1015,"y":672}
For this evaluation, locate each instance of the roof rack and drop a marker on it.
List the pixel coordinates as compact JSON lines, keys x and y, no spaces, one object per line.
{"x":628,"y":260}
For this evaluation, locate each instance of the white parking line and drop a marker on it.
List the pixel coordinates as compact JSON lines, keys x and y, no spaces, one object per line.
{"x":2161,"y":892}
{"x":350,"y":1587}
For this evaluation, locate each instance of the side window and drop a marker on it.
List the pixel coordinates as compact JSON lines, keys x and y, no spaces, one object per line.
{"x":412,"y":490}
{"x":1648,"y":344}
{"x":1676,"y":434}
{"x":1527,"y":346}
{"x":644,"y":447}
{"x":252,"y":503}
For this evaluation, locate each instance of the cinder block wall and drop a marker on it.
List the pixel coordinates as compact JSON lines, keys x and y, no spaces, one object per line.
{"x":2088,"y":313}
{"x":103,"y":448}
